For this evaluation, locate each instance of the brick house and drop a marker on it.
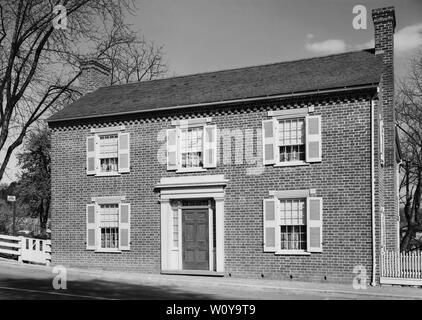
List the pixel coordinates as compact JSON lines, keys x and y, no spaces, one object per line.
{"x":286,"y":170}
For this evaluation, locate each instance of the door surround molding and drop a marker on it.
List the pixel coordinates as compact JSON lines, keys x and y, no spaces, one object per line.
{"x":190,"y":187}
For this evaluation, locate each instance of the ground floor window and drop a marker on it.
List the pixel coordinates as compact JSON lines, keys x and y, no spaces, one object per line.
{"x":109,"y":225}
{"x":292,"y":224}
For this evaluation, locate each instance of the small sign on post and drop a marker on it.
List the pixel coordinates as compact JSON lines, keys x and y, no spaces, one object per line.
{"x":11,"y":198}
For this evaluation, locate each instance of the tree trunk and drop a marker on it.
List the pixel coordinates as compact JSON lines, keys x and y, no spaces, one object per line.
{"x":44,"y":217}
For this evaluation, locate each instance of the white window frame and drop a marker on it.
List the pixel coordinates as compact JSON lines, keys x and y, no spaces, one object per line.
{"x":278,"y":163}
{"x":97,"y":202}
{"x":96,"y":133}
{"x":303,"y":194}
{"x":290,"y":114}
{"x":178,"y":125}
{"x":179,"y":153}
{"x":98,"y":214}
{"x":279,"y":225}
{"x":97,"y":155}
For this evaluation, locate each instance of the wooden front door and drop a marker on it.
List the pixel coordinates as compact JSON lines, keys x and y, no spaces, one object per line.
{"x":195,"y":239}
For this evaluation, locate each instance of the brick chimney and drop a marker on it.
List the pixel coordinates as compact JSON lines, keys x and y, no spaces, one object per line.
{"x":94,"y":75}
{"x":384,"y":24}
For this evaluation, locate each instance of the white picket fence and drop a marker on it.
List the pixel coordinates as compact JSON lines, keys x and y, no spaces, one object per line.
{"x":26,"y":249}
{"x":403,"y":268}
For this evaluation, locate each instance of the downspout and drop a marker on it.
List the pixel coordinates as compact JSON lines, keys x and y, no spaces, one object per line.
{"x":374,"y":259}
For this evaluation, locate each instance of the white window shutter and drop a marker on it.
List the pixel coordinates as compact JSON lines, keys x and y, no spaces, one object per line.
{"x":124,"y":226}
{"x":210,"y":146}
{"x":91,"y":227}
{"x":172,"y":155}
{"x":270,"y":225}
{"x":124,"y":152}
{"x":314,"y":224}
{"x":313,"y":139}
{"x":269,"y":128}
{"x":90,"y":155}
{"x":381,"y":140}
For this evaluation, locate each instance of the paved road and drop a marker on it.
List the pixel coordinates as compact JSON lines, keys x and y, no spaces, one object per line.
{"x":28,"y":282}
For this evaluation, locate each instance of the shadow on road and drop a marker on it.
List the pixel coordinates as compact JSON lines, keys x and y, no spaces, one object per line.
{"x":12,"y":288}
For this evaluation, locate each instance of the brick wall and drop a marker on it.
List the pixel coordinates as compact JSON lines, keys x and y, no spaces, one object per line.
{"x":94,"y":75}
{"x":342,"y":179}
{"x":384,"y":25}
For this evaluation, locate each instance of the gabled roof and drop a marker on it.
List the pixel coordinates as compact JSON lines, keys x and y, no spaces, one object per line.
{"x":321,"y":73}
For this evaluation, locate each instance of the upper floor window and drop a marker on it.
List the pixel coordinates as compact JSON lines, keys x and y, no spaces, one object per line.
{"x":191,"y":145}
{"x":292,"y":139}
{"x":107,"y":152}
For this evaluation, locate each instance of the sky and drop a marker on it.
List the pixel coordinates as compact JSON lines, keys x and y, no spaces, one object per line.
{"x":207,"y":35}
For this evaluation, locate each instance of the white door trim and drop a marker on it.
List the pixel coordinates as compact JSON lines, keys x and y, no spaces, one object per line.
{"x":209,"y":187}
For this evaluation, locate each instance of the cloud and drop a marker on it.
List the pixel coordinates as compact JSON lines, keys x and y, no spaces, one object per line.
{"x":408,"y":38}
{"x":327,"y":47}
{"x":405,"y":39}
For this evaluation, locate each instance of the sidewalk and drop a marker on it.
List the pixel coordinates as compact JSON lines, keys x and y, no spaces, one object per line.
{"x":391,"y":292}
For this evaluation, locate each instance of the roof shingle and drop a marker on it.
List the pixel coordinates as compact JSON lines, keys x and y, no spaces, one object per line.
{"x":328,"y":72}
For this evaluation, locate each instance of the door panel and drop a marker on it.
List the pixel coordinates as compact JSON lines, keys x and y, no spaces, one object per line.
{"x":195,"y":239}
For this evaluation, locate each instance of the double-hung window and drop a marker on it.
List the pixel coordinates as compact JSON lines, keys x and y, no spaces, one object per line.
{"x":292,"y":225}
{"x":291,"y":140}
{"x":191,"y":145}
{"x":291,"y":137}
{"x":108,"y":151}
{"x":108,"y":225}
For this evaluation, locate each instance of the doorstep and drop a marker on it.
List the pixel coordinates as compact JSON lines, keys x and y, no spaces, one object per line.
{"x":194,"y":273}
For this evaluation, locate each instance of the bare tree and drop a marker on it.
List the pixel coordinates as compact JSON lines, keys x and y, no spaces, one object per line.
{"x":409,"y":122}
{"x":39,"y":64}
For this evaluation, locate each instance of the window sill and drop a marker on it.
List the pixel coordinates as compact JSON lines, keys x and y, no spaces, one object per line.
{"x":108,"y":251}
{"x":291,"y":164}
{"x":293,"y":253}
{"x":191,"y":170}
{"x":111,"y":174}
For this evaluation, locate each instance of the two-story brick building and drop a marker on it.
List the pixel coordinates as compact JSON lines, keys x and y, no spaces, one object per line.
{"x":285,"y":170}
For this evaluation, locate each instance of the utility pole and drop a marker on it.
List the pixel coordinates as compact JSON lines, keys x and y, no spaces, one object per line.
{"x":13,"y":200}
